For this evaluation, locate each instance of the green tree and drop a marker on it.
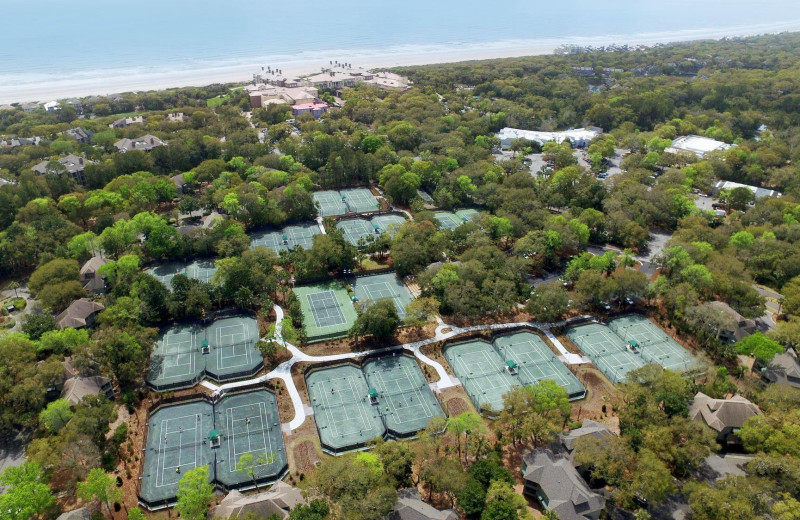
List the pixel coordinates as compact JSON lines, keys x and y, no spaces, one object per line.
{"x":57,"y":414}
{"x":379,"y":320}
{"x":421,"y":311}
{"x":27,"y":494}
{"x":759,"y":346}
{"x":251,"y":466}
{"x":548,"y":302}
{"x":135,"y":514}
{"x":100,"y":486}
{"x":35,"y":325}
{"x":195,"y":493}
{"x":54,"y":272}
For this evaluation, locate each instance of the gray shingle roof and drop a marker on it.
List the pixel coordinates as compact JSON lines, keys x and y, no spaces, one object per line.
{"x":279,"y":500}
{"x":77,"y":313}
{"x":720,"y":414}
{"x":784,"y":369}
{"x":588,"y":428}
{"x":410,"y":506}
{"x":567,"y":493}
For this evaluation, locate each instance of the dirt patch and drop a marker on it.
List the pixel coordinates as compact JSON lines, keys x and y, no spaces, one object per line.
{"x":434,"y":351}
{"x":455,"y":401}
{"x":285,"y":403}
{"x":600,"y":394}
{"x":568,"y":344}
{"x":305,"y":457}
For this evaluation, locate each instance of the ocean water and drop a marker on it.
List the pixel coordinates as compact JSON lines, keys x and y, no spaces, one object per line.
{"x":85,"y":42}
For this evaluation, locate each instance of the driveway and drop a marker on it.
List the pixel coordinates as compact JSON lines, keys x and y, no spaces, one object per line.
{"x":21,"y":292}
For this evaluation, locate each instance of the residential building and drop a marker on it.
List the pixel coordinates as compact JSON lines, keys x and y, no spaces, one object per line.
{"x":80,"y":313}
{"x":725,"y":416}
{"x":91,"y":280}
{"x":698,"y":145}
{"x":316,"y":108}
{"x":578,"y":137}
{"x":783,"y":369}
{"x":410,"y":506}
{"x":757,"y":192}
{"x":279,"y":500}
{"x":72,"y":164}
{"x":144,"y":143}
{"x":7,"y":107}
{"x":29,"y":108}
{"x":52,"y":106}
{"x":81,"y":135}
{"x":13,"y":142}
{"x":176,"y":117}
{"x":736,"y":326}
{"x":78,"y":387}
{"x":559,"y":488}
{"x":76,"y":104}
{"x":127,"y":121}
{"x":589,"y":428}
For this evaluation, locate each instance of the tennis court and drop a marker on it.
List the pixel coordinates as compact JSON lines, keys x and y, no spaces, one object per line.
{"x":404,"y":398}
{"x":202,"y":270}
{"x":286,"y":239}
{"x":327,"y":310}
{"x":249,"y":423}
{"x":232,"y":343}
{"x":329,"y":203}
{"x":466,"y":215}
{"x":654,"y":344}
{"x":357,"y":231}
{"x":482,"y":372}
{"x":607,"y":350}
{"x":427,"y":199}
{"x":536,"y":362}
{"x":176,"y":359}
{"x":223,"y":350}
{"x":379,"y":286}
{"x":388,"y":223}
{"x":177,"y":441}
{"x":345,"y":418}
{"x":447,"y":220}
{"x":360,"y":200}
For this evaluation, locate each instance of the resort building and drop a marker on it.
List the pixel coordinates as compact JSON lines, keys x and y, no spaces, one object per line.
{"x":264,"y":95}
{"x":725,"y":416}
{"x":559,"y":488}
{"x":144,"y":143}
{"x":579,"y":137}
{"x":757,"y":192}
{"x":72,"y":164}
{"x":698,"y":145}
{"x":316,"y":108}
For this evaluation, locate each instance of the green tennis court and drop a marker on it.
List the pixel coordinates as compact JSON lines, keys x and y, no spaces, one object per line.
{"x":184,"y":436}
{"x":286,"y":239}
{"x":403,"y":396}
{"x":466,"y":215}
{"x":249,"y":423}
{"x":223,"y":350}
{"x":327,"y":310}
{"x":482,"y":372}
{"x":427,"y":199}
{"x":607,"y":350}
{"x":345,"y":418}
{"x":655,"y":345}
{"x":447,"y":220}
{"x":536,"y":362}
{"x":202,"y":270}
{"x":232,"y":342}
{"x":359,"y":200}
{"x":380,"y":286}
{"x":357,"y":231}
{"x":329,"y":203}
{"x":177,"y":441}
{"x":388,"y":223}
{"x":269,"y":239}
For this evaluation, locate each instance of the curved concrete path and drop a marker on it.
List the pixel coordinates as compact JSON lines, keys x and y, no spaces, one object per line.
{"x":284,"y":370}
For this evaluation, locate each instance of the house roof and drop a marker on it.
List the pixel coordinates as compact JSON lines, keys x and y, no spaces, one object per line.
{"x":567,"y":493}
{"x":739,"y":325}
{"x":79,"y":133}
{"x":76,"y":388}
{"x":72,"y":163}
{"x":720,"y":414}
{"x":577,"y":134}
{"x":92,"y":265}
{"x":410,"y":506}
{"x":76,"y":314}
{"x":588,"y":428}
{"x":784,"y":369}
{"x":757,"y":192}
{"x":145,"y":142}
{"x":279,"y":500}
{"x":82,"y":513}
{"x":697,"y":145}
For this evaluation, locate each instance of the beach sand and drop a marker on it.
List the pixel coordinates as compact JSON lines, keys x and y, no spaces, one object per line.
{"x":108,"y":82}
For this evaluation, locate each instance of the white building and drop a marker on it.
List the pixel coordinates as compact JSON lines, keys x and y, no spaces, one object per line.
{"x":52,"y":106}
{"x":579,"y":137}
{"x":697,"y":145}
{"x":757,"y":192}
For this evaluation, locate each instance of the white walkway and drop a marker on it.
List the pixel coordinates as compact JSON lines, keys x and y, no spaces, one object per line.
{"x":284,"y":370}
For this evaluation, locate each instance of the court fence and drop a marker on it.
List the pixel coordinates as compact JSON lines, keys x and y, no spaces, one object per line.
{"x":343,"y":276}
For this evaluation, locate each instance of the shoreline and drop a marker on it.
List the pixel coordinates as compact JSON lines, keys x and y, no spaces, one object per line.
{"x":109,"y":81}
